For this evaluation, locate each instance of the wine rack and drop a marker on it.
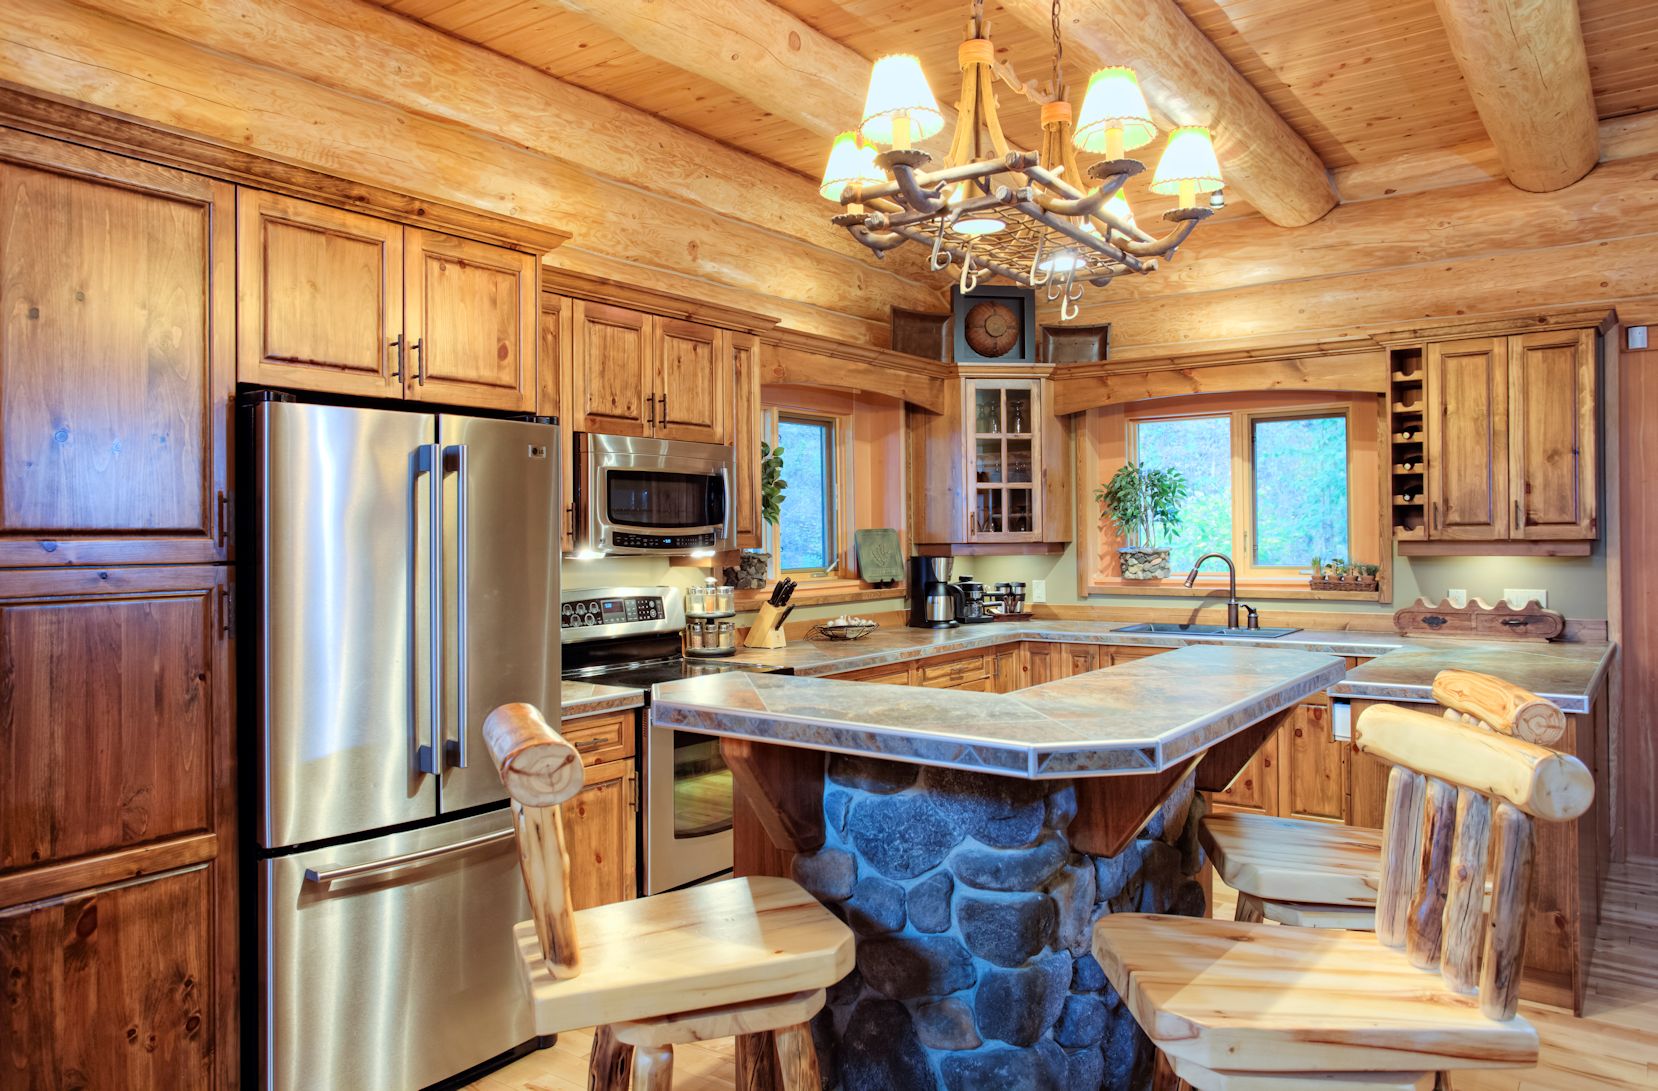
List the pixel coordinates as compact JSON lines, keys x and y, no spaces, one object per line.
{"x":1407,"y":449}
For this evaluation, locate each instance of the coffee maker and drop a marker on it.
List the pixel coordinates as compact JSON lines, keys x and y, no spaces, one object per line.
{"x":933,"y":597}
{"x":972,"y":610}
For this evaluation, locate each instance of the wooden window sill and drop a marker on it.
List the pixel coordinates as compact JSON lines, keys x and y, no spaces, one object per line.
{"x":822,"y":593}
{"x":1175,"y":587}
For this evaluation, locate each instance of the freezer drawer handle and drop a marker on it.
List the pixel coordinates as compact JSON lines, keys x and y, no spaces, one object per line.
{"x":374,"y":867}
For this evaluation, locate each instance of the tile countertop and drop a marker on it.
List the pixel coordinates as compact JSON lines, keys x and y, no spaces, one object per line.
{"x":1139,"y":717}
{"x":1400,"y":669}
{"x":589,"y":698}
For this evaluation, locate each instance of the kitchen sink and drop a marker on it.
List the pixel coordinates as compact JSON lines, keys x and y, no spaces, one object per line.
{"x":1168,"y":628}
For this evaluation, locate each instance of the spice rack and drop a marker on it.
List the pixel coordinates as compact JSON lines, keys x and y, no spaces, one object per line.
{"x":1407,"y":450}
{"x":710,"y":632}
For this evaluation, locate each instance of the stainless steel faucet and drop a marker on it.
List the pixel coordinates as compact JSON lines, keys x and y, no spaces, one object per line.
{"x":1232,"y":602}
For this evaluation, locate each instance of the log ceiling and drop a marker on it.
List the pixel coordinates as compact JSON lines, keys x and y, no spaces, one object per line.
{"x":679,"y":143}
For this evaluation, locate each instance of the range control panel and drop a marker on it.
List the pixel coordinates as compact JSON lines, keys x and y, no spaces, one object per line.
{"x":582,"y":613}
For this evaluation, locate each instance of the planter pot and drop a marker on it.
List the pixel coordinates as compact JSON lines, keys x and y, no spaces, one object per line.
{"x":1144,"y":564}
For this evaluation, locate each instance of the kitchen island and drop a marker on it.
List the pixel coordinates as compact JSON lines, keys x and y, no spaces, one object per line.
{"x":971,"y":840}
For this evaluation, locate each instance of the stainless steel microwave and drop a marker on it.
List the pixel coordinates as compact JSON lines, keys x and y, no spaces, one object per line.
{"x":636,"y":495}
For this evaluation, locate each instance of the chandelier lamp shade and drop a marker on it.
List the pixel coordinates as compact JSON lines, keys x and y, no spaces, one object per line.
{"x":1034,"y":218}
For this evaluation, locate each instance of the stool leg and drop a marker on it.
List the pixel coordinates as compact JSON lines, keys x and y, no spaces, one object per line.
{"x":1163,"y":1077}
{"x":1249,"y":909}
{"x":757,"y":1062}
{"x":608,"y":1064}
{"x":797,"y":1059}
{"x":653,"y":1069}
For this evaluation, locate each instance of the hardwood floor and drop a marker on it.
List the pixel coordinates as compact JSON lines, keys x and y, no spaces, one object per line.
{"x":1614,"y":1047}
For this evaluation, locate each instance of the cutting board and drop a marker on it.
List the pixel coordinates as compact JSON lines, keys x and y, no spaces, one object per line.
{"x":879,"y":558}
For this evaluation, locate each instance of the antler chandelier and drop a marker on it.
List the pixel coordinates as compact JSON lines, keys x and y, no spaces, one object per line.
{"x":1032,"y":218}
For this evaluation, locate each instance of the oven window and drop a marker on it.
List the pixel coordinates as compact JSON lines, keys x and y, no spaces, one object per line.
{"x":702,"y":787}
{"x":656,"y":498}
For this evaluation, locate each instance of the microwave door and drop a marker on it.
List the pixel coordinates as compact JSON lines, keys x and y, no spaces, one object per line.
{"x":500,"y":634}
{"x":341,"y":656}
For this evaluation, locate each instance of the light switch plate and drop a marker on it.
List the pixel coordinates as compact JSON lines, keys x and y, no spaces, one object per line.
{"x":1039,"y":590}
{"x":1458,"y":597}
{"x":1519,"y":596}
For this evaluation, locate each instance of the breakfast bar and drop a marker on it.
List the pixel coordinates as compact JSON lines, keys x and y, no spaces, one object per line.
{"x":971,"y":840}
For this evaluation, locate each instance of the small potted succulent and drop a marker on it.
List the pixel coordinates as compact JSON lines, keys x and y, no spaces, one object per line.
{"x":1144,"y":505}
{"x":1339,"y":575}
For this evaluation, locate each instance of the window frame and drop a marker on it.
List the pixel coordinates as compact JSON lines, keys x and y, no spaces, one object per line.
{"x":1242,"y":457}
{"x":836,"y":498}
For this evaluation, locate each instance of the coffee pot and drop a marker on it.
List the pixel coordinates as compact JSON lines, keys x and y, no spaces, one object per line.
{"x":933,"y":598}
{"x":973,"y":604}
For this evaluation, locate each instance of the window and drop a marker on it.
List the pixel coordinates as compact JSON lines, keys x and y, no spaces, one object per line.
{"x":806,"y":535}
{"x":1270,"y":489}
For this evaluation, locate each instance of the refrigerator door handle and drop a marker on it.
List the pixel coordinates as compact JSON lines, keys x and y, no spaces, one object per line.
{"x":430,"y":756}
{"x":322,"y":877}
{"x":454,"y":461}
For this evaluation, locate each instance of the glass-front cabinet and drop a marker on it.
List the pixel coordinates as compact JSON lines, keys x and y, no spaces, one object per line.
{"x":1003,"y":460}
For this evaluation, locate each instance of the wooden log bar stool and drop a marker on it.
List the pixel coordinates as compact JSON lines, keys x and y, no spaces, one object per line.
{"x":1319,"y":875}
{"x":744,"y":957}
{"x":1234,"y":1005}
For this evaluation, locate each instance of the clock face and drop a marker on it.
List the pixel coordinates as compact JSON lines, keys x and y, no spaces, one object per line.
{"x":992,"y":329}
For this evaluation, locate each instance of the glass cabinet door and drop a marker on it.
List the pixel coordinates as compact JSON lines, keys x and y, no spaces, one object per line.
{"x":1005,"y":472}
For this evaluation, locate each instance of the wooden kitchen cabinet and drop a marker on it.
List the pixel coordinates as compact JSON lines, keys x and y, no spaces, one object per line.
{"x":118,"y":357}
{"x":637,"y":374}
{"x":601,"y":824}
{"x":1008,"y":668}
{"x":320,"y":294}
{"x":1255,"y":788}
{"x":692,"y":381}
{"x":471,"y":319}
{"x":1553,"y":457}
{"x":553,"y":373}
{"x":1466,"y":424}
{"x":338,"y":302}
{"x":1312,"y":766}
{"x":953,"y":671}
{"x":745,"y":439}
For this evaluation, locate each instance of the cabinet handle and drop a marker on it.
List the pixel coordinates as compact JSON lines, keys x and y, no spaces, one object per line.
{"x":397,"y":369}
{"x":1517,"y":524}
{"x":650,"y":403}
{"x":223,"y":515}
{"x":1436,"y":521}
{"x":420,"y":363}
{"x":662,"y":415}
{"x":227,"y":611}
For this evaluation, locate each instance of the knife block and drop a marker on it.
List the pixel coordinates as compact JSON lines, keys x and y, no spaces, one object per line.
{"x":767,"y":630}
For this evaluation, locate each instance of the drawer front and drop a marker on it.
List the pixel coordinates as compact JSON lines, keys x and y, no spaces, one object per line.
{"x":1124,"y":653}
{"x":882,"y":676}
{"x":952,"y":672}
{"x":601,"y":738}
{"x":979,"y":685}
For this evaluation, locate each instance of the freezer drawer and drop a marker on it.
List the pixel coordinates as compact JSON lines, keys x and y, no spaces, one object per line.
{"x":389,"y":963}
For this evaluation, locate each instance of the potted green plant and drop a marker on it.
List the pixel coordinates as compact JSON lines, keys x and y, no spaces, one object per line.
{"x":754,"y":566}
{"x":1144,"y":505}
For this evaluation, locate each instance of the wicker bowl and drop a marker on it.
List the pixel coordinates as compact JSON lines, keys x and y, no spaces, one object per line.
{"x":850,"y":631}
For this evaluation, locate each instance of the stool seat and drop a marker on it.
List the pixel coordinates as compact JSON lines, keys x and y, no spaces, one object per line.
{"x":1294,"y":860}
{"x":1210,"y":1080}
{"x":1258,"y":998}
{"x":727,"y":943}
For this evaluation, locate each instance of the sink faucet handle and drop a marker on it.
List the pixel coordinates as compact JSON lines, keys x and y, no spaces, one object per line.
{"x":1252,"y":616}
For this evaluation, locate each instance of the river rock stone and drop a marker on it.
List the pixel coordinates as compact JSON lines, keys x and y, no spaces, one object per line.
{"x":835,"y":805}
{"x":1189,"y":900}
{"x":1084,"y":1069}
{"x":947,"y":1024}
{"x":1009,"y":869}
{"x":915,"y":966}
{"x":1112,"y":873}
{"x":1061,"y":808}
{"x":1007,"y":929}
{"x":1170,"y":820}
{"x":1004,"y":812}
{"x":1082,"y":1021}
{"x":1121,"y":1047}
{"x":1017,"y":1006}
{"x":879,"y":1050}
{"x":1159,"y":877}
{"x":901,"y":836}
{"x":1009,"y":1069}
{"x":827,"y":874}
{"x":876,"y":906}
{"x":929,"y":902}
{"x":1073,"y":894}
{"x":871,"y":774}
{"x":1087,"y":976}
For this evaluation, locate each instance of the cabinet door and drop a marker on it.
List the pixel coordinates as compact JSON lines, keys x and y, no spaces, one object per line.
{"x":953,"y":671}
{"x":1080,"y":658}
{"x":745,"y":438}
{"x":115,"y":688}
{"x":1467,"y":433}
{"x":114,"y":988}
{"x":117,"y":320}
{"x":1256,"y":787}
{"x":553,"y":368}
{"x":1009,"y":677}
{"x":611,"y":375}
{"x":692,"y":381}
{"x":600,"y":828}
{"x":1043,"y":662}
{"x":471,"y":317}
{"x":319,"y":297}
{"x":1552,"y":449}
{"x":1312,"y":766}
{"x":1004,"y":459}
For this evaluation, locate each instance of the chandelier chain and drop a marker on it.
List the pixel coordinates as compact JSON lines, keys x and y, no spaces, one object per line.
{"x":1059,"y":56}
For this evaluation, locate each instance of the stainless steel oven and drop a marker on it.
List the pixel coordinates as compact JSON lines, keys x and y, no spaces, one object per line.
{"x":636,"y":495}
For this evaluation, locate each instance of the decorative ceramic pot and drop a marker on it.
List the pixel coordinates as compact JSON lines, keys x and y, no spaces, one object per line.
{"x":1144,"y":564}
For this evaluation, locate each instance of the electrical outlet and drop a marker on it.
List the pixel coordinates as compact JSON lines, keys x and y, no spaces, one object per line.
{"x":1519,"y":596}
{"x":1458,"y":596}
{"x":1039,"y":590}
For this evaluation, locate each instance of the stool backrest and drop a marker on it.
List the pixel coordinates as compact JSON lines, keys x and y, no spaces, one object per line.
{"x":1489,"y":702}
{"x":540,"y":770}
{"x":1461,"y":804}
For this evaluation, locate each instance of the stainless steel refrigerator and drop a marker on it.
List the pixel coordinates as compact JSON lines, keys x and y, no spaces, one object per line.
{"x":407,"y":584}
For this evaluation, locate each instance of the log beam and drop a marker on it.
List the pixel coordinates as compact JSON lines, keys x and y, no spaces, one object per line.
{"x":1188,"y":80}
{"x":1525,"y":64}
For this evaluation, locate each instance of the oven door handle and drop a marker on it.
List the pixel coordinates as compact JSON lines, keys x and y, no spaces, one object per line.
{"x":322,"y":877}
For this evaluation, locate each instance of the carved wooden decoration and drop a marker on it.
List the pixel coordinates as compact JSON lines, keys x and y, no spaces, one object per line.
{"x":1480,"y":619}
{"x":992,"y":329}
